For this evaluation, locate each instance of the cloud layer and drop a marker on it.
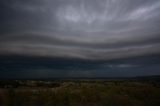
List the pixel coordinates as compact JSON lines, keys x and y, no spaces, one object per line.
{"x":86,"y":29}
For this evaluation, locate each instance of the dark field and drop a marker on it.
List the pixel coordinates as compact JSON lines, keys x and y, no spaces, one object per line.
{"x":80,"y":93}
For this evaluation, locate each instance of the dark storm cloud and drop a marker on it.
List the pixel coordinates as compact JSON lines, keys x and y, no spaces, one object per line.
{"x":35,"y":67}
{"x":88,"y":29}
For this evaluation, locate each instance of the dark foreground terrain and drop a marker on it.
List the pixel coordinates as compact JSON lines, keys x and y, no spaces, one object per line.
{"x":141,"y":92}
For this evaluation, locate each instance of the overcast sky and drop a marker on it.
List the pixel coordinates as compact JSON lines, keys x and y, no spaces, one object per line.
{"x":86,"y":29}
{"x":112,"y":37}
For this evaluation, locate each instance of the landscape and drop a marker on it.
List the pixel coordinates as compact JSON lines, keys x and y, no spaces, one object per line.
{"x":139,"y":91}
{"x":79,"y":52}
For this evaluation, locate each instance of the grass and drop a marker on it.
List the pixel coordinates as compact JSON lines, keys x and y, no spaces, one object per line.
{"x":79,"y":93}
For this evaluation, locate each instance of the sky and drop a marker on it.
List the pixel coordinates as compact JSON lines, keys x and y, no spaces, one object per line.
{"x":89,"y":30}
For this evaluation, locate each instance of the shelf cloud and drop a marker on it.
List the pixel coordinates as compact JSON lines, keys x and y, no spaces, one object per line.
{"x":84,"y":29}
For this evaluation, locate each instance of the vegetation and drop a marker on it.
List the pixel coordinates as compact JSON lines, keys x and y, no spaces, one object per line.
{"x":79,"y":93}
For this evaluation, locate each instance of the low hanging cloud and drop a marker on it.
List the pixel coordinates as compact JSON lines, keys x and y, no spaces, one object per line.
{"x":85,"y":29}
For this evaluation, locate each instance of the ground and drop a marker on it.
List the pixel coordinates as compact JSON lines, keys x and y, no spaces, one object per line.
{"x":79,"y":93}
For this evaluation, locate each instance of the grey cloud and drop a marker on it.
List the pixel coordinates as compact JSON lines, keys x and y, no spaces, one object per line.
{"x":88,"y":29}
